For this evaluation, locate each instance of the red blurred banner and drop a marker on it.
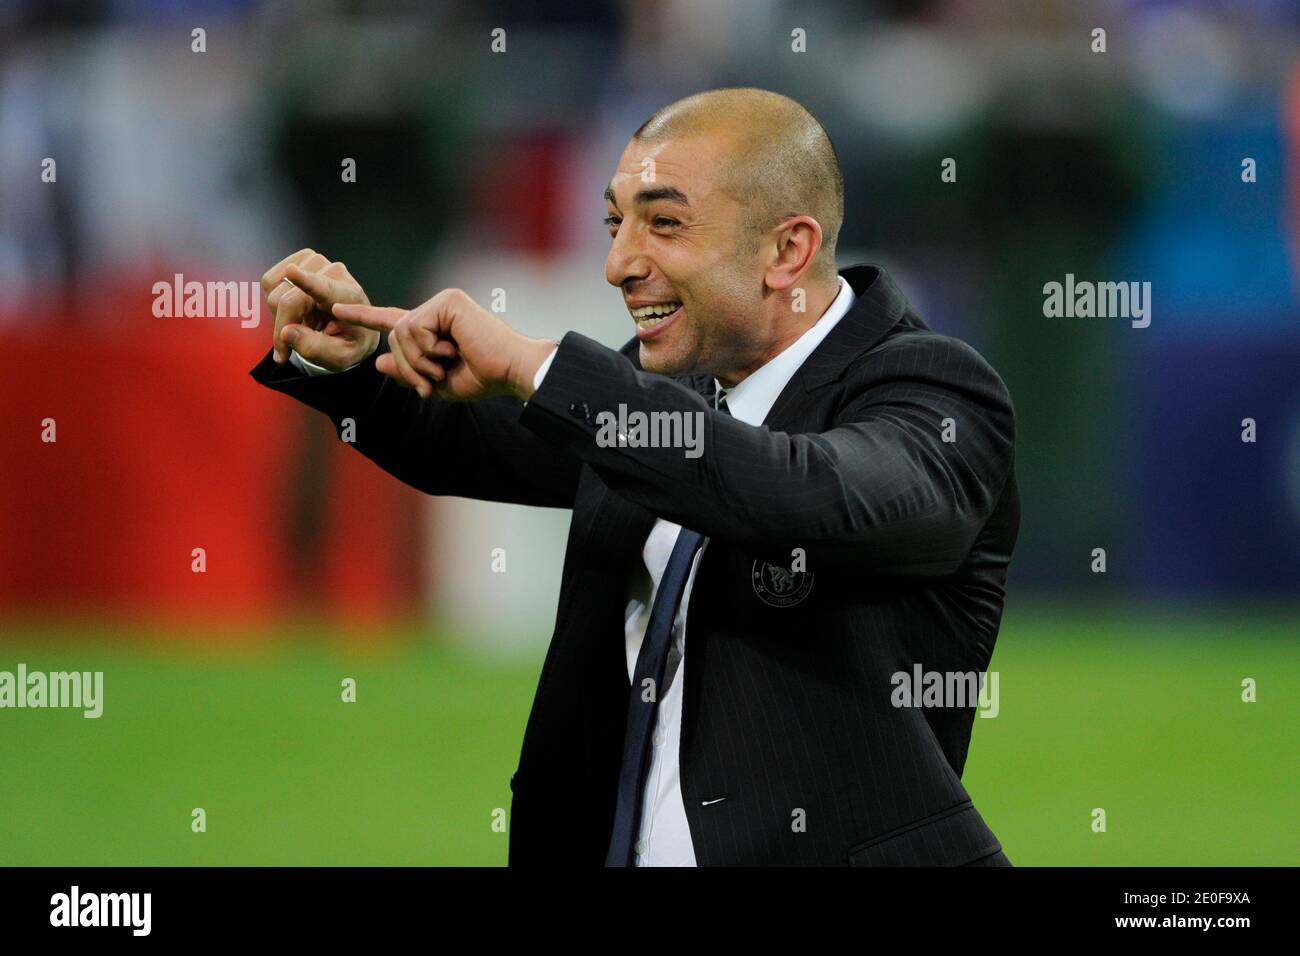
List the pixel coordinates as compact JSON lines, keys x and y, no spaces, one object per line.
{"x":164,"y":444}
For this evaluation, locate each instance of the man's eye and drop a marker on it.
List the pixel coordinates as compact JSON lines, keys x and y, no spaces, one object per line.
{"x":664,"y":221}
{"x":612,"y":221}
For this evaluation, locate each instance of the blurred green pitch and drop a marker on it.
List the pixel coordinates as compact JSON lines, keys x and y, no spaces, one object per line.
{"x":1134,"y":711}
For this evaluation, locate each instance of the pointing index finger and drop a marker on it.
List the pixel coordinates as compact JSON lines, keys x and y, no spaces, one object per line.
{"x":378,"y":318}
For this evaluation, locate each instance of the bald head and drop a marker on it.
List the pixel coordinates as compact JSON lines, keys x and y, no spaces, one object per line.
{"x":780,"y":163}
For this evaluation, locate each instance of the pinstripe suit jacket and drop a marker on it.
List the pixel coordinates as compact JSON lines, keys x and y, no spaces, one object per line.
{"x":792,"y":751}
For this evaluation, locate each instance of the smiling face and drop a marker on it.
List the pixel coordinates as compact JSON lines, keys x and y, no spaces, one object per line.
{"x":687,"y":262}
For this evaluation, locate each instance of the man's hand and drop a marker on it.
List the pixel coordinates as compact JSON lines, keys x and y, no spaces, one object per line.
{"x":302,"y":314}
{"x":452,"y":347}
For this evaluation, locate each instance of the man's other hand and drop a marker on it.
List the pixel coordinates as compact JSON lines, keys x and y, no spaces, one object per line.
{"x":302,"y":311}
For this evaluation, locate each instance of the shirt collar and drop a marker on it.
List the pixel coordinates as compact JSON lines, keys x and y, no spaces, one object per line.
{"x":754,"y":396}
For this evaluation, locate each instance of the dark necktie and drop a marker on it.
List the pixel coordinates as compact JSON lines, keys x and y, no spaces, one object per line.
{"x":651,"y":661}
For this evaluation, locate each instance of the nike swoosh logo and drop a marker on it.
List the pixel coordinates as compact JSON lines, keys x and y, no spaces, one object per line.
{"x":709,"y":803}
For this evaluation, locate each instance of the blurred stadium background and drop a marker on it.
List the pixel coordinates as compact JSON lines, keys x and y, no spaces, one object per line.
{"x":485,"y":170}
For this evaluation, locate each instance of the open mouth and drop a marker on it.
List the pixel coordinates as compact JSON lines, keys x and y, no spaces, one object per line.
{"x":653,"y":319}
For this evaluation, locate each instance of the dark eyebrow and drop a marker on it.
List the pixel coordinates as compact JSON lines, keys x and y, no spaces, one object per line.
{"x":667,"y":193}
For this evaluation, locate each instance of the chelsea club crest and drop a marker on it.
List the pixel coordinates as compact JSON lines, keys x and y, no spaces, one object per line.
{"x":778,"y":586}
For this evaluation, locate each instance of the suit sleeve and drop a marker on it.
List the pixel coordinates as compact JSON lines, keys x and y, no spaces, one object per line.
{"x":469,"y":449}
{"x":881,"y":489}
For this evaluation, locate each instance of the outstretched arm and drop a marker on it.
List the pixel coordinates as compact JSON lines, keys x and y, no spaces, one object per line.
{"x":902,"y":483}
{"x":881,"y":490}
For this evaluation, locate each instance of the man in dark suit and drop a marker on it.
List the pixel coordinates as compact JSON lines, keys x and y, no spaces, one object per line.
{"x":786,"y":465}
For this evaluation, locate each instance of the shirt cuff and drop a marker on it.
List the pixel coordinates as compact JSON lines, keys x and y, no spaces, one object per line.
{"x":311,"y":368}
{"x":541,"y":371}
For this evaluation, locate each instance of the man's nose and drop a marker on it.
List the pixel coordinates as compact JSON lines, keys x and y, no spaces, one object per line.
{"x":625,"y":261}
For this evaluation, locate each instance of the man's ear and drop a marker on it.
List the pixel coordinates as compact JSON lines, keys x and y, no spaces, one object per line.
{"x":798,"y":240}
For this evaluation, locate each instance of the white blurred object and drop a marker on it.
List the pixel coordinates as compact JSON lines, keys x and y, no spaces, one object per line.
{"x":508,"y":613}
{"x":913,"y":83}
{"x":1186,"y":63}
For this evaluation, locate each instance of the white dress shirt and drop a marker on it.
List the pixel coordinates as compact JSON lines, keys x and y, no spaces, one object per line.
{"x":665,"y":838}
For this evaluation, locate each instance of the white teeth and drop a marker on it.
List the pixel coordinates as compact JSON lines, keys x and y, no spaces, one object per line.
{"x":651,"y":315}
